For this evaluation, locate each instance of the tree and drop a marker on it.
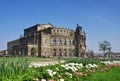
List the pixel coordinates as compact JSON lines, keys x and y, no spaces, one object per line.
{"x":109,"y":51}
{"x":104,"y":46}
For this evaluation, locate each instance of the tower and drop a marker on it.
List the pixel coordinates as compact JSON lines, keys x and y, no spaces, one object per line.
{"x":80,"y":39}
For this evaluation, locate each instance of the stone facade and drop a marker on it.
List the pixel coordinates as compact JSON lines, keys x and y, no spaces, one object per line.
{"x":46,"y":40}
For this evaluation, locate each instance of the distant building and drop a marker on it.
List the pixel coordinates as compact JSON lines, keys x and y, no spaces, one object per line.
{"x":46,"y":40}
{"x":3,"y":52}
{"x":115,"y":55}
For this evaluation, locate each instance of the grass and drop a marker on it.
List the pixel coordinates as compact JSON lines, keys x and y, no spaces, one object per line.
{"x":13,"y":68}
{"x":30,"y":58}
{"x":110,"y":75}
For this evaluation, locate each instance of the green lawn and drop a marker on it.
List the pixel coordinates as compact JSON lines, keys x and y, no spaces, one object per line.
{"x":30,"y":58}
{"x":110,"y":75}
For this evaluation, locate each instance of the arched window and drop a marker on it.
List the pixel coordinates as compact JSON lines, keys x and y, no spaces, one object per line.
{"x":69,"y":42}
{"x":54,"y":52}
{"x":59,"y":42}
{"x":53,"y":41}
{"x":65,"y":52}
{"x":64,"y":41}
{"x":74,"y":42}
{"x":60,"y":52}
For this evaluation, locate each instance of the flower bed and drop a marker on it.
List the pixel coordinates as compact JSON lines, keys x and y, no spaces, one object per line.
{"x":80,"y":70}
{"x":72,"y":71}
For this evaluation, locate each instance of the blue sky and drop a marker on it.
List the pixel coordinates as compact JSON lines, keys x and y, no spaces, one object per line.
{"x":99,"y":18}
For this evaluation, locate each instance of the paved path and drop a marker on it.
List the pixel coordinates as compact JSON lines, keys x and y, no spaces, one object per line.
{"x":47,"y":62}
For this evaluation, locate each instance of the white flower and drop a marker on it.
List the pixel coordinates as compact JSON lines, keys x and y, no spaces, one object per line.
{"x":72,"y":66}
{"x":91,"y":66}
{"x":43,"y":80}
{"x":61,"y":79}
{"x":57,"y":69}
{"x":38,"y":65}
{"x":50,"y":72}
{"x":81,"y":65}
{"x":54,"y":73}
{"x":70,"y":75}
{"x":109,"y":62}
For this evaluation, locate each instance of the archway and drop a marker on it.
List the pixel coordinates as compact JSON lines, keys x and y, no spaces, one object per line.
{"x":33,"y":51}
